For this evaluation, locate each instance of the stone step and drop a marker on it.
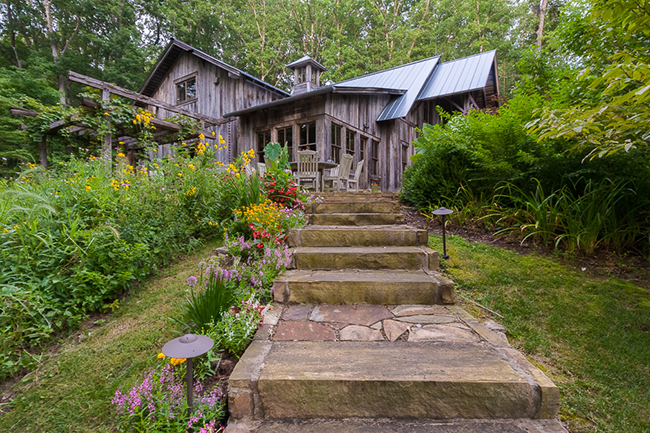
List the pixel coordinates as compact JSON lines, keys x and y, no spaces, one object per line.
{"x":356,"y":219}
{"x":389,"y":257}
{"x":355,"y":207}
{"x":382,"y":287}
{"x":437,"y":380}
{"x":348,"y":197}
{"x":352,"y":236}
{"x":397,"y":426}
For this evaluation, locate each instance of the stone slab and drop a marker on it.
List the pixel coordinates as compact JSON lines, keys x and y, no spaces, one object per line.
{"x":356,"y":219}
{"x":362,"y":286}
{"x":442,"y":333}
{"x":427,"y":319}
{"x":351,"y":236}
{"x":412,"y":310}
{"x":393,"y":329}
{"x":272,"y":315}
{"x":351,"y":314}
{"x":410,"y":258}
{"x":360,"y":333}
{"x":296,"y":312}
{"x":400,"y":426}
{"x":354,"y":207}
{"x":303,"y":331}
{"x":395,"y":379}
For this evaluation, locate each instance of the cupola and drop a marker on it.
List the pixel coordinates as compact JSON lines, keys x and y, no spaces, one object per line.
{"x":306,"y":74}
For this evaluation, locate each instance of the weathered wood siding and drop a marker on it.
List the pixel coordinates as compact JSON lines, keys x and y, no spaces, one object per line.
{"x":217,"y":94}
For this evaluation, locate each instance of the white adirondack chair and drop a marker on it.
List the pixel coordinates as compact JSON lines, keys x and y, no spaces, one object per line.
{"x":308,"y":169}
{"x":355,"y":181}
{"x":342,"y":176}
{"x":261,"y":169}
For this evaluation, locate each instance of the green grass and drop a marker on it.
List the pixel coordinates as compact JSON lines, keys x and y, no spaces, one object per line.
{"x":72,"y":391}
{"x":591,"y":335}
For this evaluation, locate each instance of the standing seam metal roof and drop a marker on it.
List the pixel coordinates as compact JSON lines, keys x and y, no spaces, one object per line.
{"x":458,"y":76}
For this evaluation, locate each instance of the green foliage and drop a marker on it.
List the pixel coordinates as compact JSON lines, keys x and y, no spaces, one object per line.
{"x":488,"y":169}
{"x":617,"y":73}
{"x":205,"y":308}
{"x":76,"y":237}
{"x":237,"y":327}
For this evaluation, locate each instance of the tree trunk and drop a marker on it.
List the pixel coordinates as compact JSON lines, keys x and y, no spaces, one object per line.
{"x":540,"y":28}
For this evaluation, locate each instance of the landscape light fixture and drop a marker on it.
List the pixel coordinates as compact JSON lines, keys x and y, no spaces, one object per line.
{"x":188,"y":346}
{"x":444,"y":212}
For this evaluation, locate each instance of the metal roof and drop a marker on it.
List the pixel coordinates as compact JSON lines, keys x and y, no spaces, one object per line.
{"x":458,"y":76}
{"x":171,"y":53}
{"x":305,"y":60}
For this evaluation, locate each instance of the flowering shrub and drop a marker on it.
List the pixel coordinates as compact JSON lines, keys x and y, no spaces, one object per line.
{"x":237,"y":327}
{"x":159,"y":404}
{"x":281,"y":187}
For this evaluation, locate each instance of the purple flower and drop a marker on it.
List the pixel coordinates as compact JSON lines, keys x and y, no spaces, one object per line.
{"x":191,"y":281}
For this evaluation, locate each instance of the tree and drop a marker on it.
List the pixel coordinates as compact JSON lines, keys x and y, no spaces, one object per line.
{"x":616,"y":115}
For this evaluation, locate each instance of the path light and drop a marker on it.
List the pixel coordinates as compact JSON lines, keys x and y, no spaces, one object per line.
{"x":444,"y":212}
{"x":188,"y":346}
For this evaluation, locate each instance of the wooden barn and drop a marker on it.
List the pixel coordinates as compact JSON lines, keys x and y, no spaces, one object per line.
{"x":373,"y":117}
{"x":197,"y":82}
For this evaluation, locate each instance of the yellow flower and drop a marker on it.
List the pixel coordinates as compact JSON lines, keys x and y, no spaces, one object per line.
{"x":201,"y":137}
{"x":88,"y":188}
{"x":16,"y":227}
{"x":32,"y":165}
{"x":214,"y":133}
{"x":121,"y":155}
{"x":105,"y":113}
{"x":237,"y":175}
{"x":180,"y":174}
{"x":7,"y":231}
{"x":161,"y":355}
{"x":191,"y":166}
{"x":121,"y":142}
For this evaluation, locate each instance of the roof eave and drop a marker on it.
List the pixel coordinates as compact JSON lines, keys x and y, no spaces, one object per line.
{"x":320,"y":91}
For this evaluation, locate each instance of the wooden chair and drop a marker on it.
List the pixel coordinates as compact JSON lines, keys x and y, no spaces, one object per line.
{"x":308,"y":169}
{"x":261,"y":169}
{"x":342,"y":176}
{"x":355,"y":180}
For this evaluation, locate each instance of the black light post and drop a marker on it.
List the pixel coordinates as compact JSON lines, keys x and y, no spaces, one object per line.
{"x":444,"y":212}
{"x":188,"y":346}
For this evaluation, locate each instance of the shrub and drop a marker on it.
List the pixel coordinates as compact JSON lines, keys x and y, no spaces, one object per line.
{"x":237,"y":327}
{"x":204,"y":308}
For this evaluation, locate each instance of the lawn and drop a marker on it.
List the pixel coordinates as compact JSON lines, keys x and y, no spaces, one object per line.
{"x":590,"y":334}
{"x":72,"y":391}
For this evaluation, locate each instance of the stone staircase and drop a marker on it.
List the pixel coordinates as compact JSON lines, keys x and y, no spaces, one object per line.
{"x":365,"y":337}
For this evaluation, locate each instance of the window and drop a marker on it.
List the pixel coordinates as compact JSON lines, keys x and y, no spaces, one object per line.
{"x":349,"y":142}
{"x":285,"y":136}
{"x":302,"y":75}
{"x":308,"y":136}
{"x":405,"y":157}
{"x":186,"y":90}
{"x":374,"y":158}
{"x":314,"y":76}
{"x":362,"y":150}
{"x":336,"y":143}
{"x":263,"y":138}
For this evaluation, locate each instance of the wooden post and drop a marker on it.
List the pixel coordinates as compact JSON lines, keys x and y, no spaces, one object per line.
{"x":106,"y":148}
{"x":43,"y":152}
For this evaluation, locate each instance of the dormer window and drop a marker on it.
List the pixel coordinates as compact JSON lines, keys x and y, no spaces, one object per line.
{"x":302,"y":75}
{"x":185,"y":89}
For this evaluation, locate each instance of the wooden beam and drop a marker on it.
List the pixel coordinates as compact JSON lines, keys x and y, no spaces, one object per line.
{"x":106,"y":146}
{"x":17,"y":111}
{"x":87,"y":102}
{"x":98,"y":84}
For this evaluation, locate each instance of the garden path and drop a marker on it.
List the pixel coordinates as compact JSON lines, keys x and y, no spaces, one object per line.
{"x":365,"y":337}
